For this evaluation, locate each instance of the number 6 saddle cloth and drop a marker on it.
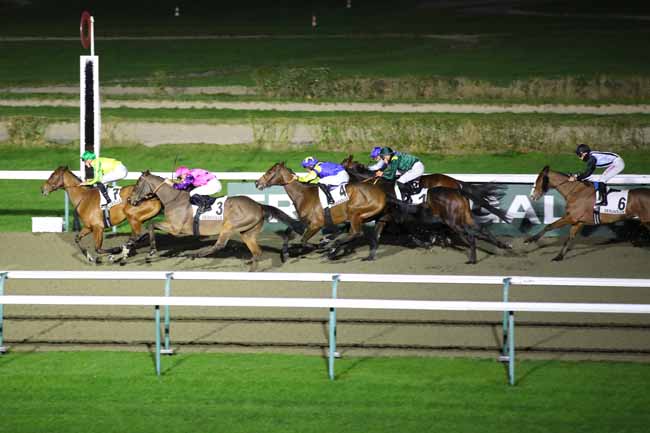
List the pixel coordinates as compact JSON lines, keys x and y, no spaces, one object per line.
{"x":616,"y":202}
{"x":216,"y":211}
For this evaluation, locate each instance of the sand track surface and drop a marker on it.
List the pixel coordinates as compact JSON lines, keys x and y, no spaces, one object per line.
{"x":360,"y":332}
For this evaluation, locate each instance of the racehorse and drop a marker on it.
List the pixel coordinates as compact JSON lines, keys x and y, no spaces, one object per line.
{"x":580,"y":199}
{"x":450,"y":205}
{"x":482,"y":195}
{"x":86,"y":201}
{"x":365,"y":202}
{"x":241,"y":215}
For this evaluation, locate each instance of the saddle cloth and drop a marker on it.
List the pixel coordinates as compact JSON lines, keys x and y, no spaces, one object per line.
{"x":616,"y":202}
{"x":113,"y":193}
{"x":216,"y":211}
{"x":339,"y":194}
{"x":418,"y":198}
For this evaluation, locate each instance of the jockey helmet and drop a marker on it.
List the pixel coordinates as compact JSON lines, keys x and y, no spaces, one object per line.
{"x":386,"y":151}
{"x":375,"y":152}
{"x":309,"y":162}
{"x":582,"y":148}
{"x":88,"y":155}
{"x":181,"y":171}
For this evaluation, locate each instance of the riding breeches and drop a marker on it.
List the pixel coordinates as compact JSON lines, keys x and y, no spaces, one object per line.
{"x":614,"y":168}
{"x":415,"y":172}
{"x":212,"y":187}
{"x":119,"y":173}
{"x":339,"y":178}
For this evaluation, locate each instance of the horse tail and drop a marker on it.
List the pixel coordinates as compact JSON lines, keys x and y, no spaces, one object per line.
{"x":273,"y":212}
{"x":483,"y":195}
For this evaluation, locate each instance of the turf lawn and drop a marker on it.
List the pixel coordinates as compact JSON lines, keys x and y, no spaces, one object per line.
{"x":118,"y":391}
{"x":508,"y":47}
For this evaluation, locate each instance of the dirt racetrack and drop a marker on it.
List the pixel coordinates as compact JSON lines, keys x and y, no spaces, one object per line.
{"x":574,"y":336}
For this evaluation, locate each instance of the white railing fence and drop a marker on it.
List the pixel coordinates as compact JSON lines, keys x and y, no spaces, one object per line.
{"x":508,"y":308}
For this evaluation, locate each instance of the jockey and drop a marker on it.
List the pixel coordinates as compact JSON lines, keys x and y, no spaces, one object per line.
{"x":104,"y":170}
{"x":402,"y":167}
{"x":379,"y":163}
{"x":614,"y":165}
{"x":201,"y":184}
{"x":324,"y":174}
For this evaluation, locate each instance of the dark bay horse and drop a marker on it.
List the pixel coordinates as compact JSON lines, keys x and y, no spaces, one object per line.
{"x":449,"y":205}
{"x":86,"y":201}
{"x":241,"y":215}
{"x":483,"y":195}
{"x":580,"y":200}
{"x":366,"y":203}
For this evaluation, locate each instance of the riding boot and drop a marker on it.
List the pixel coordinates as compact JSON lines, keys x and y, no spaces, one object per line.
{"x":406,"y":191}
{"x":602,"y":190}
{"x":328,"y":194}
{"x":102,"y":190}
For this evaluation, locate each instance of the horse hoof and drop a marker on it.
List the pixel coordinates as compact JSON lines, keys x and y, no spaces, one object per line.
{"x":284,"y":256}
{"x":557,"y":258}
{"x":529,"y":240}
{"x":368,"y":259}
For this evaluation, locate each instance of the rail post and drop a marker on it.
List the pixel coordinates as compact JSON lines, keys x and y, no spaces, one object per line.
{"x":157,"y":316}
{"x":504,"y":348}
{"x":3,"y":277}
{"x":511,"y":347}
{"x":114,"y":228}
{"x":332,"y":351}
{"x":168,"y":290}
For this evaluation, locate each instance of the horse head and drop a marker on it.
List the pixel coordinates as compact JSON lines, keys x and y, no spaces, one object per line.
{"x":143,"y":189}
{"x":355,"y":169}
{"x":55,"y":181}
{"x":541,"y":184}
{"x":278,"y":174}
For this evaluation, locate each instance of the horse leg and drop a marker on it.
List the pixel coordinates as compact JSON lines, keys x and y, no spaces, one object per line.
{"x":355,"y":232}
{"x":309,"y":233}
{"x":575,"y":229}
{"x":469,"y":237}
{"x":486,"y":235}
{"x":557,"y":224}
{"x":222,"y":240}
{"x":77,"y":239}
{"x":250,"y":239}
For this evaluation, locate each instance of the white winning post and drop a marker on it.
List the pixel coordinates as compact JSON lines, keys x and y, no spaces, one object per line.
{"x":89,"y":108}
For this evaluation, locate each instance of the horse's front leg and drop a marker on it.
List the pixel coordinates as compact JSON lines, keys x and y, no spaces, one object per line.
{"x":557,"y":224}
{"x":575,"y":229}
{"x":77,"y":239}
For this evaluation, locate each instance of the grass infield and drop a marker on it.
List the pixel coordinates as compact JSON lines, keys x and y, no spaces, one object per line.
{"x":22,"y":200}
{"x":119,"y":391}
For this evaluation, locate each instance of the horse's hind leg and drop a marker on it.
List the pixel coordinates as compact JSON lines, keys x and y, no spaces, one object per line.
{"x":486,"y":235}
{"x":575,"y":229}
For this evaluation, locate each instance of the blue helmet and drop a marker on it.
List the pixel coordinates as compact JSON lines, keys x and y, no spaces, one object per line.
{"x":375,"y":152}
{"x":309,"y":162}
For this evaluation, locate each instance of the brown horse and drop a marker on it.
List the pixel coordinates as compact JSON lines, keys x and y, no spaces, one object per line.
{"x":449,"y":205}
{"x":241,"y":215}
{"x":580,"y":200}
{"x":365,"y":202}
{"x":483,"y":195}
{"x":86,"y":202}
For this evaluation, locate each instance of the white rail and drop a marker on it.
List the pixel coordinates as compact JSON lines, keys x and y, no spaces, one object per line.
{"x":326,"y":303}
{"x":507,"y":308}
{"x":624,"y":179}
{"x":327,"y":277}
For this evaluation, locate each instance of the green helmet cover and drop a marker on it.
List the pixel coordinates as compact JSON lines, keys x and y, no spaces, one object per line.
{"x":386,"y":151}
{"x":88,"y":155}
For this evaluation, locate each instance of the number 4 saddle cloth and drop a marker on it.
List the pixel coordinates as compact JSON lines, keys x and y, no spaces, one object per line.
{"x":216,"y":211}
{"x":339,"y":194}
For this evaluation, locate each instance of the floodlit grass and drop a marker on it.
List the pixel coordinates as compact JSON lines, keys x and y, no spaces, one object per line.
{"x":22,"y":199}
{"x":106,"y":392}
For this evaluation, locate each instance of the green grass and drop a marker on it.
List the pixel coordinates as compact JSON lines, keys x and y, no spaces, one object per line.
{"x":509,"y":47}
{"x":106,"y":392}
{"x":22,"y":199}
